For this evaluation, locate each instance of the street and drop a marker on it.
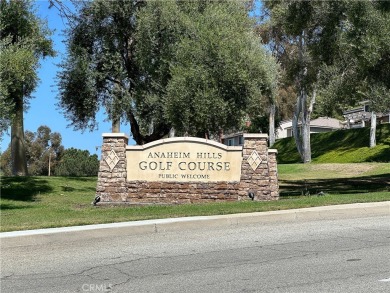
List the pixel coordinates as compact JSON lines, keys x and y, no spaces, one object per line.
{"x":345,"y":255}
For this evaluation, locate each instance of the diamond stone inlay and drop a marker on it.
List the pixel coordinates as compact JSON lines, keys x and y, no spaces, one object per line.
{"x":254,"y":160}
{"x":112,"y":159}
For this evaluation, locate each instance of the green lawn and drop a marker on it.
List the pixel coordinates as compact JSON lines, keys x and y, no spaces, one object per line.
{"x":341,"y":146}
{"x":43,"y":202}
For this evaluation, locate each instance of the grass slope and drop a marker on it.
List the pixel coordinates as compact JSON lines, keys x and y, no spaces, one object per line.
{"x":44,"y":202}
{"x":341,"y":146}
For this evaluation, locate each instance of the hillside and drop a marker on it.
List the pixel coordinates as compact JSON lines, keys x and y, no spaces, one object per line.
{"x":341,"y":146}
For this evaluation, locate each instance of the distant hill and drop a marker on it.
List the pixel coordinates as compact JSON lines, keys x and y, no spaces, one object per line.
{"x":341,"y":146}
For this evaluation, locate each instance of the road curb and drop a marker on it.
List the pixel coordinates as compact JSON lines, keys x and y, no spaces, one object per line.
{"x":173,"y":224}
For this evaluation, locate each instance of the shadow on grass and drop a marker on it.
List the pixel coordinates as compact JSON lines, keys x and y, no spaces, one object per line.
{"x":72,"y":189}
{"x":378,"y":183}
{"x":92,"y":178}
{"x":23,"y":188}
{"x":67,"y":188}
{"x":7,"y":206}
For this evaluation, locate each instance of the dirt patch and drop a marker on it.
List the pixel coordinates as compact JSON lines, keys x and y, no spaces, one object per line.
{"x":343,"y":170}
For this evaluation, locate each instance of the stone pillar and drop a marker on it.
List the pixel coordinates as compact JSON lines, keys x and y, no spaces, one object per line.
{"x":111,"y":185}
{"x":273,"y":173}
{"x":258,"y":174}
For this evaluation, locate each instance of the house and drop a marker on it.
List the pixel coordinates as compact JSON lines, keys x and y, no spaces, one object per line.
{"x":361,"y":116}
{"x":321,"y":124}
{"x":235,"y":139}
{"x":284,"y":129}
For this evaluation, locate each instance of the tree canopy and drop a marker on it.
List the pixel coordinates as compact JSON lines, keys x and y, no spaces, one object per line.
{"x":24,"y":39}
{"x":360,"y":67}
{"x":44,"y":150}
{"x":75,"y":162}
{"x":195,"y":66}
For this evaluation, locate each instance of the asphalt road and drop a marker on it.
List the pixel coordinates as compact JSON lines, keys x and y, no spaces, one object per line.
{"x":343,"y":255}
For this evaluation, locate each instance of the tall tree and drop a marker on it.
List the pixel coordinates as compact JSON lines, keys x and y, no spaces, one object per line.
{"x":283,"y":48}
{"x":147,"y":50}
{"x":312,"y":26}
{"x":24,"y":40}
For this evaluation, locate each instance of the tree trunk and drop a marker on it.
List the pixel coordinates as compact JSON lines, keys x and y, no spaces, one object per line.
{"x":48,"y":173}
{"x":272,"y":124}
{"x":303,"y":111}
{"x":373,"y":130}
{"x":172,"y":132}
{"x":306,"y":125}
{"x":306,"y":150}
{"x":295,"y":126}
{"x":18,"y":149}
{"x":116,"y":125}
{"x":300,"y":106}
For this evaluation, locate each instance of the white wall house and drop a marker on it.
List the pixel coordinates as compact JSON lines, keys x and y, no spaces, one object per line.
{"x":321,"y":124}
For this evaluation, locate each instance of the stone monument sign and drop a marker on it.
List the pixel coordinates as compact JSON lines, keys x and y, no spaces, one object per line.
{"x":186,"y":170}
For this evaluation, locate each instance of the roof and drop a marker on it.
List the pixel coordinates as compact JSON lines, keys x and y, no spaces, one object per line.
{"x":324,"y":122}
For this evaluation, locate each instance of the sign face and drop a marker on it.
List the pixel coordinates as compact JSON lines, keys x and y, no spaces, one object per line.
{"x":184,"y":159}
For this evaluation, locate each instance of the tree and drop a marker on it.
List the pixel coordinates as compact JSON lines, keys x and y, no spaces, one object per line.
{"x":75,"y":162}
{"x":100,"y":69}
{"x":360,"y":70}
{"x":23,"y":41}
{"x":283,"y":48}
{"x":5,"y":163}
{"x":164,"y":64}
{"x":313,"y":27}
{"x":212,"y":86}
{"x":43,"y":152}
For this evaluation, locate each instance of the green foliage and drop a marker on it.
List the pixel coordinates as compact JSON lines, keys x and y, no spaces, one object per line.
{"x":41,"y":146}
{"x":44,"y":146}
{"x":99,"y":62}
{"x":5,"y":162}
{"x":23,"y":41}
{"x":77,"y":163}
{"x":341,"y":146}
{"x":196,"y":66}
{"x":220,"y":72}
{"x":258,"y":124}
{"x":360,"y":65}
{"x":344,"y":51}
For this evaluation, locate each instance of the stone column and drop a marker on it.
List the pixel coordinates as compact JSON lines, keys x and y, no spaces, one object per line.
{"x":273,"y":173}
{"x":111,"y":185}
{"x":256,"y":170}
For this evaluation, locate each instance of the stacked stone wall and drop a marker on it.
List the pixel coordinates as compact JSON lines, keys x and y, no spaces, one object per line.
{"x":112,"y":176}
{"x":258,"y":169}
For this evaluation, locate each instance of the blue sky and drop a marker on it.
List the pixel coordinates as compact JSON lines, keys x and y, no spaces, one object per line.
{"x":43,"y":109}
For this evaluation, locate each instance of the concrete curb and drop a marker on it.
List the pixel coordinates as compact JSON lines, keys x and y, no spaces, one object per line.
{"x":76,"y":233}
